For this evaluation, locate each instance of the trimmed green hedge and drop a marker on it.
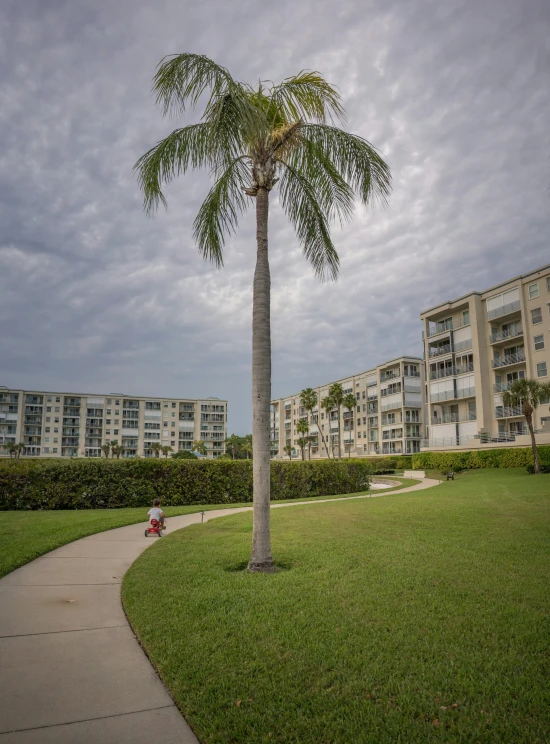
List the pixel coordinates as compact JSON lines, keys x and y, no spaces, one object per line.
{"x":100,"y":484}
{"x":513,"y":457}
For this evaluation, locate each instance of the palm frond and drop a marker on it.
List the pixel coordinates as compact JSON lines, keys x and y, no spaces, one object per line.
{"x":332,"y":191}
{"x":307,"y":95}
{"x":299,"y":200}
{"x":220,"y":211}
{"x":183,"y":78}
{"x":357,"y":161}
{"x":190,"y":146}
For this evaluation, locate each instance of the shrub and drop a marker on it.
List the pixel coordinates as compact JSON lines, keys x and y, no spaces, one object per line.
{"x":184,"y":455}
{"x":513,"y":457}
{"x":542,"y":468}
{"x":94,"y":484}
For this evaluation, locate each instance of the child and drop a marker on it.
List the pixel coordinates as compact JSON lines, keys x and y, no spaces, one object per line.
{"x":157,"y":513}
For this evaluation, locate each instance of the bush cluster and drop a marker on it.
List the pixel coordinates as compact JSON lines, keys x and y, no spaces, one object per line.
{"x":100,"y":484}
{"x":513,"y":457}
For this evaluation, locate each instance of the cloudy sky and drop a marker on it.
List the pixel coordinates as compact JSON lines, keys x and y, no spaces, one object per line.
{"x":95,"y":296}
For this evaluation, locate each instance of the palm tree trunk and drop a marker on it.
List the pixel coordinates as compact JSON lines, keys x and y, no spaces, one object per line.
{"x":529,"y":420}
{"x":339,"y":436}
{"x":261,"y":559}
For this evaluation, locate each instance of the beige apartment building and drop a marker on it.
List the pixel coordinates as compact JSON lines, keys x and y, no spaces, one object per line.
{"x":78,"y":424}
{"x":389,"y":417}
{"x":475,"y":347}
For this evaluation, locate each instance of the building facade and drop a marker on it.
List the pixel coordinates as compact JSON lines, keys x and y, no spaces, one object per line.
{"x":78,"y":424}
{"x":389,"y":417}
{"x":475,"y":347}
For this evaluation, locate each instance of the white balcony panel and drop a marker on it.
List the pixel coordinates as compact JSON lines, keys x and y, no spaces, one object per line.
{"x":313,"y":429}
{"x":130,"y":433}
{"x":441,"y":386}
{"x":443,"y":431}
{"x":152,"y":415}
{"x":95,"y":402}
{"x":468,"y":428}
{"x":413,"y":400}
{"x":12,"y":416}
{"x":466,"y":381}
{"x":187,"y":425}
{"x":394,"y":399}
{"x":463,"y":334}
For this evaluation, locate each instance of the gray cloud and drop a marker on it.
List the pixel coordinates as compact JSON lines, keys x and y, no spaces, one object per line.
{"x":96,"y":296}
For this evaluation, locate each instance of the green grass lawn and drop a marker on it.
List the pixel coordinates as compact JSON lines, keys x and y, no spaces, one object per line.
{"x":417,"y":618}
{"x":26,"y":535}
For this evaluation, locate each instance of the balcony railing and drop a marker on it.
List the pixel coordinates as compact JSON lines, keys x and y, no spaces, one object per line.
{"x":498,"y":312}
{"x":513,"y":332}
{"x":454,"y":418}
{"x":389,"y":406}
{"x":502,"y":387}
{"x":437,"y":374}
{"x":452,"y":394}
{"x":384,"y":393}
{"x":463,"y":345}
{"x":389,"y":376}
{"x":503,"y":361}
{"x":507,"y":412}
{"x":445,"y":349}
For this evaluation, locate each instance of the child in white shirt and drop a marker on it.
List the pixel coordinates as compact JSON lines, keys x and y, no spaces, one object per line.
{"x":157,"y":513}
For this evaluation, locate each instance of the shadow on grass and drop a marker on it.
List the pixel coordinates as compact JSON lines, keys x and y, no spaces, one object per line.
{"x":243,"y":565}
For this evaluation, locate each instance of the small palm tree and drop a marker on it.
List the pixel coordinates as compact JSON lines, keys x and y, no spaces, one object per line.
{"x":232,"y":443}
{"x":155,"y":447}
{"x":12,"y":449}
{"x":349,"y":402}
{"x":166,"y":449}
{"x":327,"y":404}
{"x":200,"y":447}
{"x":114,"y":447}
{"x":251,"y":138}
{"x":288,"y":449}
{"x":106,"y":449}
{"x":308,"y":399}
{"x":527,"y":395}
{"x":247,"y":447}
{"x":302,"y":428}
{"x":336,"y":392}
{"x":301,"y":442}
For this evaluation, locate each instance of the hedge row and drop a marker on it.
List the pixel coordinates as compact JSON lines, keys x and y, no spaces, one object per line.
{"x":514,"y":457}
{"x":95,"y":484}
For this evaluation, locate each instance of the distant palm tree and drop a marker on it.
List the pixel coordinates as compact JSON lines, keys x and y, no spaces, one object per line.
{"x":233,"y":442}
{"x":350,"y":402}
{"x":106,"y":449}
{"x":308,"y":399}
{"x":247,"y":447}
{"x":301,"y":442}
{"x":288,"y":449}
{"x":327,"y":404}
{"x":12,"y":449}
{"x":114,"y":448}
{"x":336,"y":392}
{"x":200,"y":447}
{"x":250,"y":138}
{"x":302,"y":428}
{"x":166,"y":450}
{"x":155,"y":447}
{"x":527,"y":395}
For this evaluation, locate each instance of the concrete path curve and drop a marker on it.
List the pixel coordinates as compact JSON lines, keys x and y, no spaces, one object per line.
{"x":71,"y":670}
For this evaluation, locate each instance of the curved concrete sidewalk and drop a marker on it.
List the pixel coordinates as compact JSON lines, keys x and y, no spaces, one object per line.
{"x":71,"y":669}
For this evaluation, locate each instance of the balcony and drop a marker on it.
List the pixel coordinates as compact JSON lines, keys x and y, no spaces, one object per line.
{"x":499,"y":312}
{"x":502,"y":387}
{"x":72,"y":402}
{"x":453,"y":394}
{"x":463,"y":345}
{"x":35,"y":410}
{"x":508,"y":359}
{"x":389,"y":406}
{"x":71,"y":411}
{"x":388,"y":391}
{"x":454,"y":418}
{"x":513,"y":332}
{"x":450,"y":325}
{"x":437,"y":374}
{"x":132,"y":405}
{"x":389,"y":376}
{"x":439,"y":351}
{"x":506,"y":412}
{"x":34,"y":399}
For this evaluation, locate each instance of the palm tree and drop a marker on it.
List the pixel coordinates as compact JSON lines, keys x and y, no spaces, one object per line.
{"x":247,"y":447}
{"x":155,"y":447}
{"x":288,"y":449}
{"x":114,"y":448}
{"x":308,"y":399}
{"x":527,"y":395}
{"x":250,"y":138}
{"x":336,"y":392}
{"x":301,"y":442}
{"x":302,"y":428}
{"x":349,"y":402}
{"x":12,"y":449}
{"x":166,"y":449}
{"x":233,"y":442}
{"x":200,"y":447}
{"x":327,"y":404}
{"x":106,"y":448}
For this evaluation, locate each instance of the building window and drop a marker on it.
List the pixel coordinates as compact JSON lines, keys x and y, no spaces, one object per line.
{"x":109,"y":401}
{"x":166,"y":405}
{"x":58,"y":399}
{"x":56,"y":420}
{"x":533,"y":290}
{"x":536,"y":316}
{"x":107,"y":421}
{"x":109,"y":411}
{"x":117,"y":413}
{"x":173,"y":443}
{"x":117,"y":402}
{"x":47,"y":429}
{"x":49,"y":400}
{"x":56,"y":439}
{"x":46,"y":450}
{"x":55,"y":449}
{"x":173,"y":414}
{"x":116,"y":421}
{"x":115,"y":431}
{"x":48,"y":418}
{"x":46,"y":439}
{"x":57,"y":409}
{"x":173,"y":405}
{"x":173,"y":423}
{"x":48,"y":409}
{"x":56,"y":429}
{"x":548,"y":284}
{"x":541,"y":369}
{"x":539,"y":343}
{"x":107,"y":431}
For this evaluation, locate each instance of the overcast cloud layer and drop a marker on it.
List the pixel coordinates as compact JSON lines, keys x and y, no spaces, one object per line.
{"x":95,"y":296}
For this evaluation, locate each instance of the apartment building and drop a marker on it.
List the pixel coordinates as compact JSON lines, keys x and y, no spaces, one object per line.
{"x":475,"y":347}
{"x":389,"y":417}
{"x":78,"y":424}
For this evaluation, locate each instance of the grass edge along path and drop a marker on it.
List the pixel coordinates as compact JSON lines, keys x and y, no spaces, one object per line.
{"x":27,"y":535}
{"x":417,"y":619}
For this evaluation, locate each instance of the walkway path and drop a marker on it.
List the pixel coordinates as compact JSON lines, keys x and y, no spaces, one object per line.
{"x":71,"y":670}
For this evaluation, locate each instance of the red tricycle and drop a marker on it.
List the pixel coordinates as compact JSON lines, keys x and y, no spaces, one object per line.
{"x":155,"y":528}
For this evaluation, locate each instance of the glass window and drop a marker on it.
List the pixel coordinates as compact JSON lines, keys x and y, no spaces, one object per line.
{"x":56,"y":439}
{"x":173,"y":414}
{"x":48,"y":418}
{"x":46,"y":439}
{"x":533,"y":290}
{"x":56,"y":429}
{"x":56,"y":420}
{"x":536,"y":316}
{"x":539,"y":342}
{"x":107,"y":421}
{"x":47,"y":429}
{"x":48,"y":409}
{"x":173,"y":405}
{"x":55,"y":449}
{"x":117,"y":402}
{"x":548,"y":284}
{"x":166,"y":405}
{"x":116,"y":421}
{"x":541,"y":369}
{"x":117,"y":413}
{"x":115,"y":431}
{"x":57,"y":409}
{"x":107,"y":431}
{"x":109,"y":410}
{"x":58,"y":399}
{"x":49,"y":400}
